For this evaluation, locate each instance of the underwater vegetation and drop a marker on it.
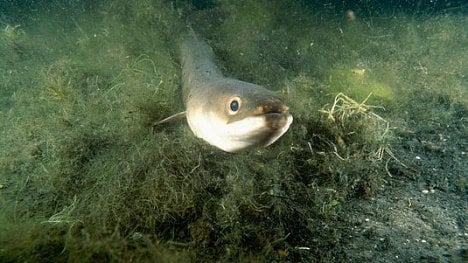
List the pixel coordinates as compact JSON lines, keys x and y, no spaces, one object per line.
{"x":374,"y":163}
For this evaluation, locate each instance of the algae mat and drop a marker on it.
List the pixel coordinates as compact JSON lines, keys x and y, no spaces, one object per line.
{"x":373,"y":168}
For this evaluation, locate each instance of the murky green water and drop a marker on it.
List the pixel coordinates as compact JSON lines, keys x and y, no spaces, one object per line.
{"x":373,"y":169}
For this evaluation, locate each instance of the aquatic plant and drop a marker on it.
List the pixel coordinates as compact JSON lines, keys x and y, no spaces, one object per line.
{"x":87,"y":177}
{"x":13,"y":37}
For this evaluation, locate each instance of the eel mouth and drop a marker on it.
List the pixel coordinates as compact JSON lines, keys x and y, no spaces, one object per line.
{"x":277,"y":124}
{"x":278,"y":120}
{"x":276,"y":114}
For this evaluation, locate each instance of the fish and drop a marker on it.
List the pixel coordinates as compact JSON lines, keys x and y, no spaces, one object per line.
{"x":228,"y":113}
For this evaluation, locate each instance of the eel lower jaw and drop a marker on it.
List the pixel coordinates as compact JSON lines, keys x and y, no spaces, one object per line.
{"x":278,"y":124}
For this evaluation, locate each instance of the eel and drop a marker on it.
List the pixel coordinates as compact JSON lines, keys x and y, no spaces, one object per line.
{"x":230,"y":114}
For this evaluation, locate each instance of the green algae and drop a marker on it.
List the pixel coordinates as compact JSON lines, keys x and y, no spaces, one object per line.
{"x":358,"y":84}
{"x":86,"y":177}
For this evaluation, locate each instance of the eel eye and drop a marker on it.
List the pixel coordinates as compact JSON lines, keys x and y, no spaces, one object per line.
{"x":234,"y":105}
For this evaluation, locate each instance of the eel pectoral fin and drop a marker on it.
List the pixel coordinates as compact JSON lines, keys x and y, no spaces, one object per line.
{"x":171,"y":118}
